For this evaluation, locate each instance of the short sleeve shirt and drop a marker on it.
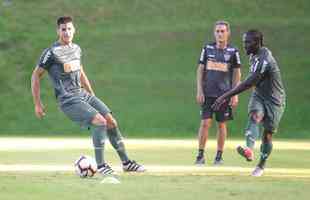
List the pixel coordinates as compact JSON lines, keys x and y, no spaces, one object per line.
{"x":63,"y":63}
{"x":219,"y":65}
{"x":270,"y":87}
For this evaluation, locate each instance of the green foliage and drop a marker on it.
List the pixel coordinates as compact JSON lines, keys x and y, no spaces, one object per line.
{"x":141,"y":57}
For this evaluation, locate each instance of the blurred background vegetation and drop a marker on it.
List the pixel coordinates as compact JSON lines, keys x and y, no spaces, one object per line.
{"x":141,"y":57}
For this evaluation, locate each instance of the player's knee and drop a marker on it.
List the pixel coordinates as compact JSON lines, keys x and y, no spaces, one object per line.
{"x":205,"y":124}
{"x":111,"y":122}
{"x":222,"y":125}
{"x":256,"y":117}
{"x":99,"y":120}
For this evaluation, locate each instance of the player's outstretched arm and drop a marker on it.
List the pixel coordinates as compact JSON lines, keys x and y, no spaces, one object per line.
{"x":35,"y":88}
{"x":85,"y":82}
{"x":246,"y":84}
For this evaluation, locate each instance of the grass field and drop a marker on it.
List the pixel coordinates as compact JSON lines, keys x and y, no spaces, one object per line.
{"x":141,"y":57}
{"x":42,"y":168}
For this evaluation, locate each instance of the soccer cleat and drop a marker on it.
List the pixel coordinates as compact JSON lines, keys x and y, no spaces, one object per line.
{"x":246,"y":152}
{"x":257,"y":171}
{"x":218,"y":162}
{"x":200,"y":160}
{"x":133,"y":166}
{"x":105,"y":170}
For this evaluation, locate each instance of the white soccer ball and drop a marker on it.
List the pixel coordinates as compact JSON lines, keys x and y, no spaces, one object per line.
{"x":85,"y":166}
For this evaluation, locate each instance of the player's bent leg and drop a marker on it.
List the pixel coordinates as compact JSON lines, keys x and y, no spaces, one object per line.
{"x":251,"y":134}
{"x":252,"y":129}
{"x":111,"y":121}
{"x":203,"y":133}
{"x":98,"y":136}
{"x":99,"y":120}
{"x":115,"y":137}
{"x":271,"y":122}
{"x":116,"y":141}
{"x":98,"y":128}
{"x":221,"y":137}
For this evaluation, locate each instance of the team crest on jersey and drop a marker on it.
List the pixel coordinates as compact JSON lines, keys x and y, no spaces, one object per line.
{"x":227,"y":57}
{"x":72,"y":66}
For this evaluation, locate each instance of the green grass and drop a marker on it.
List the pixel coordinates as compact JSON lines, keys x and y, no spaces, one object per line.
{"x":172,"y":156}
{"x":141,"y":58}
{"x":160,"y":186}
{"x":51,"y":186}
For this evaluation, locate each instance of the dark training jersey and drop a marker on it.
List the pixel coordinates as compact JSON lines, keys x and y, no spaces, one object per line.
{"x":63,"y":63}
{"x":219,"y":65}
{"x":269,"y":87}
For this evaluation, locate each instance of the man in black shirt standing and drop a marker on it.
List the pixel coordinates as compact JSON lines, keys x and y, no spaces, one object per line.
{"x":218,"y":71}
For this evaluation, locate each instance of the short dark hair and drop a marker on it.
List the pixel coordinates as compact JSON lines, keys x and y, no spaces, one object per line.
{"x":64,"y":20}
{"x":257,"y":35}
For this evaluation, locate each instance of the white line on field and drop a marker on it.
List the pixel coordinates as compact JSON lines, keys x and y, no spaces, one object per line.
{"x":29,"y":144}
{"x":167,"y":170}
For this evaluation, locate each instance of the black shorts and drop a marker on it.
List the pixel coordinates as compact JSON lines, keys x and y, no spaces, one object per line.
{"x":224,"y":114}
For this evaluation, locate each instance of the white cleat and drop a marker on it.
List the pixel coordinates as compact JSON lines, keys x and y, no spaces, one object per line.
{"x":106,"y":170}
{"x":257,"y":171}
{"x":133,"y":166}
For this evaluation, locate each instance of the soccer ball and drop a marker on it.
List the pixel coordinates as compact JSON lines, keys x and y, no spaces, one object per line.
{"x":85,"y":166}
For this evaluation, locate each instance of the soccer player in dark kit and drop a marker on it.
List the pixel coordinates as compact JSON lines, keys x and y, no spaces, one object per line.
{"x":218,"y":71}
{"x":76,"y":98}
{"x":267,"y":102}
